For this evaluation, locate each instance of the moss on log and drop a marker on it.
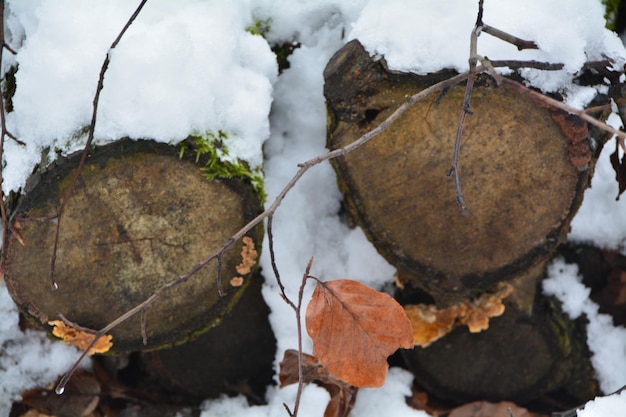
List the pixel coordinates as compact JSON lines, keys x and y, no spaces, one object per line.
{"x":139,"y":217}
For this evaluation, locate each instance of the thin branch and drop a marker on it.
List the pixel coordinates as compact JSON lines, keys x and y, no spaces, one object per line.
{"x":298,"y":309}
{"x":75,"y":325}
{"x":513,"y":64}
{"x":465,"y":108}
{"x":92,"y":129}
{"x":520,"y":43}
{"x":270,"y":239}
{"x":580,"y":113}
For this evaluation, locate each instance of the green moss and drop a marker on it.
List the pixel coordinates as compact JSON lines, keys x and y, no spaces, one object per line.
{"x":211,"y":150}
{"x":610,"y":12}
{"x":259,"y":27}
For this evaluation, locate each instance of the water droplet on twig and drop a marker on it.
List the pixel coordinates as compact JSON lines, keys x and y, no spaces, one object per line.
{"x":60,"y":389}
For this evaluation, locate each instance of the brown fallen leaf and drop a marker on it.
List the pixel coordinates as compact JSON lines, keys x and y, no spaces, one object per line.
{"x":354,"y":329}
{"x":80,"y":398}
{"x":420,"y":400}
{"x":79,"y":338}
{"x":342,"y":395}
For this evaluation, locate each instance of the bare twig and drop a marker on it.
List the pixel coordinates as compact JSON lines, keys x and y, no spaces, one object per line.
{"x":513,"y":64}
{"x":297,"y":308}
{"x":75,"y":325}
{"x":520,"y":43}
{"x":298,"y":311}
{"x":465,"y":110}
{"x":580,"y":113}
{"x":92,"y":128}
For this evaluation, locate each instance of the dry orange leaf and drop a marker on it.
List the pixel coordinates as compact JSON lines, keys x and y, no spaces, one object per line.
{"x":79,"y":338}
{"x":354,"y":329}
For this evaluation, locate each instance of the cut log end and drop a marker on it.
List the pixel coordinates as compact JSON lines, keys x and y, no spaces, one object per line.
{"x":138,"y":218}
{"x":516,"y":173}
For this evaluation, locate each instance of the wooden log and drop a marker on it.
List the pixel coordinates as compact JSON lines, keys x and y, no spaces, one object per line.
{"x":139,"y":217}
{"x":530,"y":350}
{"x":523,"y":168}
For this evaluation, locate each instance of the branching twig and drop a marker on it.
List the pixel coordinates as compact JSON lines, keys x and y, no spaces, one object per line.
{"x":513,"y":64}
{"x":560,"y":105}
{"x":473,"y":61}
{"x":298,"y":310}
{"x":92,"y":128}
{"x":520,"y":43}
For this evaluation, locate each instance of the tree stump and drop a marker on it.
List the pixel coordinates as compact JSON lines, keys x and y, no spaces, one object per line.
{"x":523,"y":169}
{"x":139,"y":217}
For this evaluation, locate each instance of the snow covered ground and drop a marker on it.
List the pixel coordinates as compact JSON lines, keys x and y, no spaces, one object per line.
{"x":190,"y":66}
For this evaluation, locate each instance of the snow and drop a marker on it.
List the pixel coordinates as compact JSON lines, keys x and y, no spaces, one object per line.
{"x":612,"y":405}
{"x":27,"y":359}
{"x":601,"y":219}
{"x":191,"y":67}
{"x":181,"y":69}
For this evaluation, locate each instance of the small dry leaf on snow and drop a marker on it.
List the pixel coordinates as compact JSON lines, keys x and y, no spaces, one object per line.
{"x":354,"y":329}
{"x":79,"y":338}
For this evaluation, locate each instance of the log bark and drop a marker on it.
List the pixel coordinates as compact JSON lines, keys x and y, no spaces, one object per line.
{"x":523,"y":169}
{"x":139,"y":217}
